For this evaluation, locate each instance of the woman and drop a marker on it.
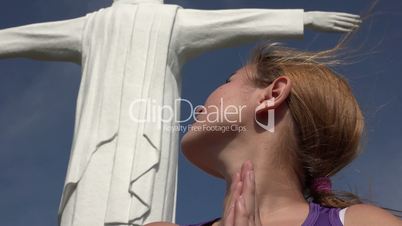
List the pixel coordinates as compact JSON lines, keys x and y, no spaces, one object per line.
{"x":279,"y":174}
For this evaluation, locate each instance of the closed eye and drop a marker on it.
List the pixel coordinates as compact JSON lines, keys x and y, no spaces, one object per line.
{"x":228,"y":79}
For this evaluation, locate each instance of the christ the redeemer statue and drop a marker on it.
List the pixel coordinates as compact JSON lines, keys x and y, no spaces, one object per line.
{"x":124,"y":171}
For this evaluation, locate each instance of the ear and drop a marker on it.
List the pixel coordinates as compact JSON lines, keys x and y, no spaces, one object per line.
{"x":274,"y":95}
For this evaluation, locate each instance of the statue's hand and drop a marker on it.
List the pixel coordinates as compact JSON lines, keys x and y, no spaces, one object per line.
{"x":331,"y":21}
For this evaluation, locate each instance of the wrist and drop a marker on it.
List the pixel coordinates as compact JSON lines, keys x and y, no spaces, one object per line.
{"x":307,"y":19}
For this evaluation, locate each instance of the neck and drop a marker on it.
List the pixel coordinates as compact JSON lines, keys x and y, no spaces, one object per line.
{"x":278,"y":190}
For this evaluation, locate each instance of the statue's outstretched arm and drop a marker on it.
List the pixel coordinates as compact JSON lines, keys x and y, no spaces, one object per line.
{"x":197,"y":31}
{"x":53,"y":41}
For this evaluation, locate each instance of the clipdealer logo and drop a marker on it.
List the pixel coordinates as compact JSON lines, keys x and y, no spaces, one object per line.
{"x":270,"y":126}
{"x":147,"y":110}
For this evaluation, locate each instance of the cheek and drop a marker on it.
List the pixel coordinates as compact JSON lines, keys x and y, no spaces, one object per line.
{"x":228,"y":105}
{"x":221,"y":106}
{"x":216,"y":95}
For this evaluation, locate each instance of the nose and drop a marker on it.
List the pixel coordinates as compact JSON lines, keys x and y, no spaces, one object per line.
{"x":199,"y":109}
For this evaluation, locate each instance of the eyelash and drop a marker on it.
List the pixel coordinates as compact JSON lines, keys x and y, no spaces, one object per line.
{"x":227,"y":81}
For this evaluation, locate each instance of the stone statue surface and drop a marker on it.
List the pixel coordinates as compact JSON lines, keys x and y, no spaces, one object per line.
{"x":121,"y":171}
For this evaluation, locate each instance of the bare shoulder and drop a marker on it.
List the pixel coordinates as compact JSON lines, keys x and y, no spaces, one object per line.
{"x":369,"y":215}
{"x":161,"y":223}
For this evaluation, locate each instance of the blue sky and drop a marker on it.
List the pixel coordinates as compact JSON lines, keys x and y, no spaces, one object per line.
{"x":37,"y":105}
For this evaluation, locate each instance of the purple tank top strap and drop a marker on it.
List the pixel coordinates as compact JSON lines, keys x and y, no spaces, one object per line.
{"x":318,"y":216}
{"x":322,"y":216}
{"x":208,"y":223}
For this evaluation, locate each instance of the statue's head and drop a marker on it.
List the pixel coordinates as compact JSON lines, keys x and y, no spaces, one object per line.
{"x":138,"y":1}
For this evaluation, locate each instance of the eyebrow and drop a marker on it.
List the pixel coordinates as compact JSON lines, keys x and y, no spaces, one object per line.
{"x":230,"y":76}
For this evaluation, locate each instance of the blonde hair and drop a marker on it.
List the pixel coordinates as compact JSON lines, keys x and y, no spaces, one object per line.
{"x":327,"y":120}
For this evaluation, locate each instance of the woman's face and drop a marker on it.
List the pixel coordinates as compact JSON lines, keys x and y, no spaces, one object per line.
{"x":227,"y":113}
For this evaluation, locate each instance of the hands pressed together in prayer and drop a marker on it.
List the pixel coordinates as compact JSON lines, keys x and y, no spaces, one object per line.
{"x":241,"y":208}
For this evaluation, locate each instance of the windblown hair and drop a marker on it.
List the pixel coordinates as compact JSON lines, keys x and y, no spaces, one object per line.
{"x":327,"y":120}
{"x":327,"y":127}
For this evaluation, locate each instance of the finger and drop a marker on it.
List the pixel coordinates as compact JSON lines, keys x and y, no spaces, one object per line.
{"x":229,"y":219}
{"x":341,"y":29}
{"x":241,"y":217}
{"x":236,"y":196}
{"x":251,"y":203}
{"x":348,"y":19}
{"x":246,"y":166}
{"x":238,"y":190}
{"x":243,"y":171}
{"x":230,"y":213}
{"x":347,"y":15}
{"x":235,"y":181}
{"x":249,"y":192}
{"x":257,"y":218}
{"x":346,"y":25}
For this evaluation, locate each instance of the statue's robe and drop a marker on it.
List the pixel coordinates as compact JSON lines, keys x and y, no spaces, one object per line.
{"x":122,"y":171}
{"x":124,"y":59}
